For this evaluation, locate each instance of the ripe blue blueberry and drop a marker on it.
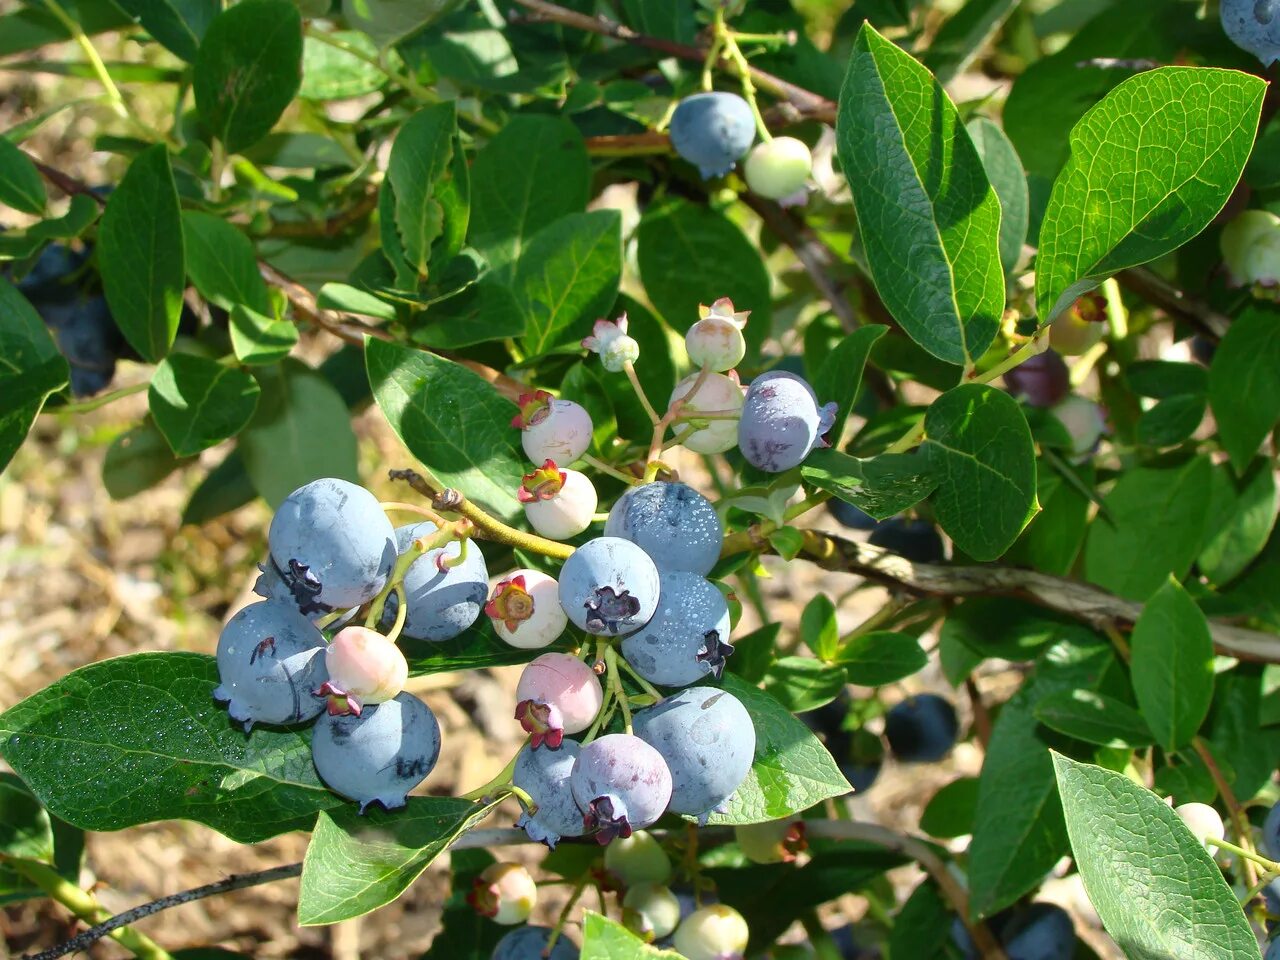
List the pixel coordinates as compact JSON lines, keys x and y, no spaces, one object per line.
{"x":380,"y":754}
{"x":1041,"y":380}
{"x":1042,"y":931}
{"x":852,"y":517}
{"x":1271,"y":833}
{"x":529,"y":942}
{"x":333,"y":544}
{"x":713,"y":131}
{"x":687,"y":638}
{"x":917,"y":540}
{"x":442,"y":601}
{"x":781,"y":422}
{"x":272,"y":586}
{"x":609,"y":587}
{"x":621,"y":783}
{"x":1254,"y":25}
{"x":1273,"y":950}
{"x":922,"y":729}
{"x":544,"y":776}
{"x":270,"y":659}
{"x":674,"y":524}
{"x":708,"y":741}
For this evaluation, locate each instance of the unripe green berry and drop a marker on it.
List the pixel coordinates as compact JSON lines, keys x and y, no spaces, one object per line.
{"x":778,"y":168}
{"x":650,"y":910}
{"x":717,"y":932}
{"x":1251,"y":248}
{"x":1203,"y":821}
{"x":637,"y":859}
{"x":775,"y":841}
{"x":505,"y":893}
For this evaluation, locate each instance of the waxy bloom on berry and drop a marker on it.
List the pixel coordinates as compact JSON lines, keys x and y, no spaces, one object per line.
{"x":552,"y":429}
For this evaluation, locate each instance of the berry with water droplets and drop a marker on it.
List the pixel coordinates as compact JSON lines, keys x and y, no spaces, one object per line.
{"x":270,"y":658}
{"x":609,"y":587}
{"x":622,"y":784}
{"x":525,"y":610}
{"x":552,"y":429}
{"x":687,"y":638}
{"x":674,"y":524}
{"x":364,"y":668}
{"x":557,"y":694}
{"x":782,"y":422}
{"x":1253,"y":25}
{"x":378,"y":755}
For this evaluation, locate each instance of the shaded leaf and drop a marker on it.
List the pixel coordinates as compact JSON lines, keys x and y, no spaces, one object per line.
{"x":1172,"y":665}
{"x":1243,"y":388}
{"x":20,"y":183}
{"x":1094,"y":718}
{"x":197,"y":402}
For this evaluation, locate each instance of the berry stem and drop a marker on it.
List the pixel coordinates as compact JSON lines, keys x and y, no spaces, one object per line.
{"x":1246,"y":855}
{"x":396,"y":506}
{"x":443,"y":536}
{"x":578,"y":889}
{"x":84,"y":406}
{"x":630,"y":369}
{"x":615,"y":682}
{"x":502,"y":780}
{"x":713,"y":52}
{"x":644,"y":684}
{"x":329,"y":618}
{"x":91,"y":54}
{"x":402,"y":608}
{"x":673,"y":411}
{"x":609,"y":469}
{"x":1239,"y":823}
{"x":734,"y":53}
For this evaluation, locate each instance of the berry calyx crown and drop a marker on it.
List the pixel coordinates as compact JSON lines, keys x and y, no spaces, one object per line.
{"x":544,"y":483}
{"x":534,"y":408}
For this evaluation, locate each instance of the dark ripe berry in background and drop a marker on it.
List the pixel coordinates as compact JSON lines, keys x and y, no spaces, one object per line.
{"x":917,"y":540}
{"x":1041,"y":380}
{"x":921,"y":729}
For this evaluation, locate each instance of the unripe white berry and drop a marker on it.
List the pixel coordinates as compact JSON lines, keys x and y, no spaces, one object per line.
{"x":778,"y":168}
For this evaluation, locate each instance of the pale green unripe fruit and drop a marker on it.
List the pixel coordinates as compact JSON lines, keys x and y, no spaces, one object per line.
{"x":1251,"y":248}
{"x":1085,"y":422}
{"x":775,"y":841}
{"x":637,"y":859}
{"x":651,"y":910}
{"x":778,"y":168}
{"x":1203,"y":821}
{"x":1072,"y":334}
{"x":715,"y":342}
{"x":716,"y":932}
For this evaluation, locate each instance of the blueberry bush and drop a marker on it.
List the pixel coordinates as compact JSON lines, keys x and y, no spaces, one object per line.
{"x":974,"y":300}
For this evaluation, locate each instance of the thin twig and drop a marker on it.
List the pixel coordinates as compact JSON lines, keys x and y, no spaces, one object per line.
{"x":1159,"y":292}
{"x":1239,"y":822}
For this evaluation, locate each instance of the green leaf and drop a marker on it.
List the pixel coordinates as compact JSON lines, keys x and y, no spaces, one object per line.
{"x":962,"y":36}
{"x":792,"y":769}
{"x":1156,"y":888}
{"x":1018,"y":832}
{"x":329,"y":73}
{"x":25,"y":830}
{"x":136,"y":461}
{"x":1004,"y":170}
{"x":20,"y":183}
{"x":1010,"y":628}
{"x":881,"y":656}
{"x":225,"y":488}
{"x":259,"y":338}
{"x":476,"y":648}
{"x":753,"y":653}
{"x":1156,"y":528}
{"x":140,"y":738}
{"x":567,"y":278}
{"x":788,"y":541}
{"x":1239,"y":535}
{"x":1243,"y":389}
{"x":387,"y":21}
{"x":452,"y":420}
{"x":1172,"y":666}
{"x":882,"y":486}
{"x":140,"y":254}
{"x":980,"y":448}
{"x":671,"y":21}
{"x":1094,"y":718}
{"x":82,"y":212}
{"x":221,"y":263}
{"x":603,"y":939}
{"x":923,"y":925}
{"x":840,"y":376}
{"x":31,"y":368}
{"x":535,"y":171}
{"x":1150,"y":166}
{"x":1172,"y":420}
{"x":818,"y":627}
{"x":487,"y":311}
{"x":1166,"y":378}
{"x":1052,"y":540}
{"x":429,"y":186}
{"x":197,"y":402}
{"x":300,"y":432}
{"x":177,"y":25}
{"x":928,"y":218}
{"x":690,"y":254}
{"x":248,"y":70}
{"x":802,"y":683}
{"x":464,"y":933}
{"x":356,"y":862}
{"x":952,"y":810}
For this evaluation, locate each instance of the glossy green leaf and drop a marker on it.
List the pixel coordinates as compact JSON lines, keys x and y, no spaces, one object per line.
{"x":690,"y":254}
{"x":80,"y":215}
{"x":1094,"y":718}
{"x":1150,"y":166}
{"x":137,"y":460}
{"x":603,"y":939}
{"x":803,"y":683}
{"x":818,"y":628}
{"x":300,"y":432}
{"x":1158,"y":891}
{"x":1018,"y":832}
{"x":330,"y":73}
{"x":30,"y":27}
{"x":567,"y":278}
{"x":453,"y":421}
{"x":881,"y":486}
{"x":1004,"y":170}
{"x":221,"y":263}
{"x":840,"y":376}
{"x":197,"y":402}
{"x":430,"y":188}
{"x":1156,"y":527}
{"x":952,"y":810}
{"x":980,"y":449}
{"x":1243,"y":388}
{"x":1052,"y":540}
{"x":248,"y":70}
{"x":177,"y":25}
{"x":1166,"y":378}
{"x":31,"y":368}
{"x":881,"y":656}
{"x":25,"y":830}
{"x":357,"y":862}
{"x":964,"y":34}
{"x":20,"y":183}
{"x":476,"y":648}
{"x":387,"y":21}
{"x":1010,"y":628}
{"x":927,"y":215}
{"x":142,"y":739}
{"x":923,"y":925}
{"x":792,"y":769}
{"x":140,"y":254}
{"x":259,"y":338}
{"x":532,"y":173}
{"x":487,"y":311}
{"x":1172,"y":665}
{"x":1244,"y":527}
